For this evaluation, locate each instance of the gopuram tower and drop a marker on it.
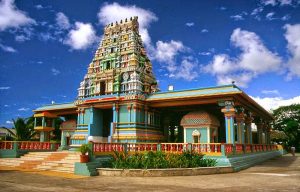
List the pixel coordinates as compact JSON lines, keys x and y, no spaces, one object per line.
{"x":112,"y":96}
{"x":120,"y":64}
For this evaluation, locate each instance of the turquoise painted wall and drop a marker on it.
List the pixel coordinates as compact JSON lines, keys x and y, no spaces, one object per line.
{"x":123,"y":116}
{"x":96,"y":126}
{"x":141,"y":116}
{"x":189,"y":136}
{"x":133,"y":115}
{"x":86,"y":116}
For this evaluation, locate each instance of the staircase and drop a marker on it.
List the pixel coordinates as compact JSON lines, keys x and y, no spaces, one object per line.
{"x":62,"y":161}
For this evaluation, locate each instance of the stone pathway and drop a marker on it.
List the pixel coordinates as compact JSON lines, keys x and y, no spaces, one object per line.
{"x":279,"y":174}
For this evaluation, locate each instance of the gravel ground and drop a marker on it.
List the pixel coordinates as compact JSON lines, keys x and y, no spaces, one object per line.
{"x":279,"y":174}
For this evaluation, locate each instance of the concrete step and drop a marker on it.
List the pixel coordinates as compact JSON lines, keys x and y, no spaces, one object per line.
{"x":53,"y":161}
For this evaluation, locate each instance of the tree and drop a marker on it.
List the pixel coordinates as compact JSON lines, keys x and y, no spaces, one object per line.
{"x":24,"y":129}
{"x":57,"y":131}
{"x":287,"y":120}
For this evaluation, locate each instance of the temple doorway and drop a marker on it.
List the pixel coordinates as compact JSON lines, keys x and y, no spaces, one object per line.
{"x":107,"y":121}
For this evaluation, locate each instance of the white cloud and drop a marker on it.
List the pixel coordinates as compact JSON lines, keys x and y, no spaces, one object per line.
{"x":292,"y":36}
{"x":237,"y":17}
{"x":222,"y":8}
{"x":81,"y":37}
{"x":55,"y":71}
{"x":4,"y":88}
{"x":204,"y":31}
{"x":286,"y":17}
{"x":9,"y":122}
{"x":257,"y":10}
{"x":269,"y":2}
{"x":115,"y":12}
{"x":240,"y":79}
{"x":270,"y":92}
{"x":39,"y":7}
{"x":221,"y":64}
{"x":188,"y":69}
{"x":278,"y":2}
{"x":254,"y":59}
{"x":7,"y":48}
{"x":21,"y":38}
{"x":285,"y":2}
{"x":166,"y":52}
{"x":12,"y":17}
{"x":191,"y":24}
{"x":270,"y":15}
{"x":62,"y":21}
{"x":271,"y":103}
{"x":46,"y":36}
{"x":255,"y":56}
{"x":205,"y":53}
{"x":23,"y":109}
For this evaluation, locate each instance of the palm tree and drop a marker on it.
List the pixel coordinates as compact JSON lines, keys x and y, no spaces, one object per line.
{"x":24,"y":129}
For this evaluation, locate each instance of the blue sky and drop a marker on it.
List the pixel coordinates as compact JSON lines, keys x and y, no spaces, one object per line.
{"x":46,"y":46}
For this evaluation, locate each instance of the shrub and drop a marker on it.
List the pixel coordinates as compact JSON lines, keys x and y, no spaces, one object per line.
{"x":84,"y":148}
{"x":156,"y":160}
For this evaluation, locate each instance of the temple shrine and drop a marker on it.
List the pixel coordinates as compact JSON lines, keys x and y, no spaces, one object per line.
{"x":119,"y":102}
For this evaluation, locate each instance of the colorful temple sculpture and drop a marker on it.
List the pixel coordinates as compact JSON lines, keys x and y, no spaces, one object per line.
{"x":119,"y":102}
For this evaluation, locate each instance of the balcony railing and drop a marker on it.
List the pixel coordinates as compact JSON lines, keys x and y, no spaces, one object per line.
{"x":210,"y":149}
{"x":28,"y":145}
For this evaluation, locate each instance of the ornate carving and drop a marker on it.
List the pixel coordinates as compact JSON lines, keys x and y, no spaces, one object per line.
{"x":120,"y":54}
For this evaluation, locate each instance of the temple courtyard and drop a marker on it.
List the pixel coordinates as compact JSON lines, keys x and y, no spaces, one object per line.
{"x":278,"y":174}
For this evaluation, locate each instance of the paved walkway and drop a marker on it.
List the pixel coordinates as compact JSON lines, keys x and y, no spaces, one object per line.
{"x":279,"y":174}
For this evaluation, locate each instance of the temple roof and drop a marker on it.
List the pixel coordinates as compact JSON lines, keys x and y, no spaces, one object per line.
{"x":199,"y":118}
{"x":56,"y":107}
{"x":217,"y":90}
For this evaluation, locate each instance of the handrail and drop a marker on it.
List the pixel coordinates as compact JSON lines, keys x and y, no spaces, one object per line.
{"x":28,"y":145}
{"x":205,"y":148}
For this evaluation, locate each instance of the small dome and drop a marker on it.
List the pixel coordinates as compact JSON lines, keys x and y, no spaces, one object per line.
{"x":199,"y":118}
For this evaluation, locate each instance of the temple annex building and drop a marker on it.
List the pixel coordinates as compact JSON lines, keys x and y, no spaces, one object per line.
{"x":119,"y":102}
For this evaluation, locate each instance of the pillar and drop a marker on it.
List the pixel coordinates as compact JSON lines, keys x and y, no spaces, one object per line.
{"x":129,"y":112}
{"x":166,"y":123}
{"x":248,"y":123}
{"x":146,"y":115}
{"x":240,"y":120}
{"x":267,"y":133}
{"x":43,"y":122}
{"x":114,"y":123}
{"x":259,"y":125}
{"x":229,"y":113}
{"x":268,"y":136}
{"x":134,"y":120}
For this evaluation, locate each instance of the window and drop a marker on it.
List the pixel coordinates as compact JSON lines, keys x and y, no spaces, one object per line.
{"x":108,"y":65}
{"x":102,"y":87}
{"x":196,"y":136}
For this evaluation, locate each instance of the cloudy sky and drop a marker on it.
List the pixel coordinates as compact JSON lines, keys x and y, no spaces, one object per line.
{"x":46,"y":46}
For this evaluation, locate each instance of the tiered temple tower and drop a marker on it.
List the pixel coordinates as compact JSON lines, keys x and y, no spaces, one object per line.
{"x":120,"y":64}
{"x":112,"y":96}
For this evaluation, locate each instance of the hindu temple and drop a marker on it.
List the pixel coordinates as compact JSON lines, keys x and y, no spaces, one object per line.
{"x":119,"y":102}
